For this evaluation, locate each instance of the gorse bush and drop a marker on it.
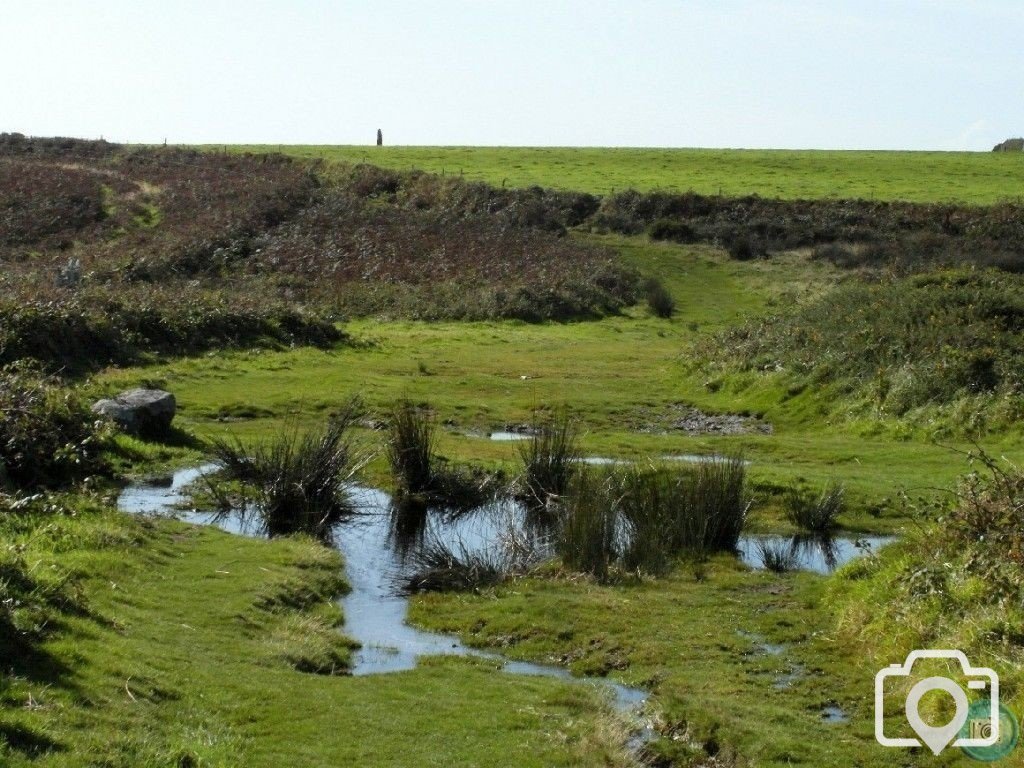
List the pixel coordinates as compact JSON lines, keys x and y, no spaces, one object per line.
{"x":87,"y":330}
{"x":47,"y":435}
{"x":299,"y":482}
{"x":905,"y":236}
{"x":659,"y":299}
{"x":905,"y":342}
{"x":956,"y":581}
{"x":815,"y":512}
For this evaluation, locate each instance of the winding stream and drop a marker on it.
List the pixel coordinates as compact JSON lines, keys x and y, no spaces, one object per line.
{"x":375,"y":611}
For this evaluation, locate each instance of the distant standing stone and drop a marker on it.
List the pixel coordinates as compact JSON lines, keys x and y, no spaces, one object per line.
{"x":140,"y":411}
{"x":380,"y":138}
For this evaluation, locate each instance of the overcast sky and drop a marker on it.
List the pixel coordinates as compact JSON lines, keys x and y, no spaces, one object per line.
{"x":905,"y":74}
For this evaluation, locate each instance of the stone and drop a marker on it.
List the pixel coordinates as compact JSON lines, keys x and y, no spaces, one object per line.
{"x":147,"y":412}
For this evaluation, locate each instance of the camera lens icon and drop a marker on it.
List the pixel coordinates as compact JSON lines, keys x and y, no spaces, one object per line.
{"x":983,"y":731}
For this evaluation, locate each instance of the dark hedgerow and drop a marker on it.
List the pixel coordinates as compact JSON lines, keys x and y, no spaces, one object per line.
{"x":675,"y":231}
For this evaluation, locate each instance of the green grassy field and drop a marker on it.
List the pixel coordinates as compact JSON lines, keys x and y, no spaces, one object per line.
{"x":971,"y":177}
{"x":182,"y":646}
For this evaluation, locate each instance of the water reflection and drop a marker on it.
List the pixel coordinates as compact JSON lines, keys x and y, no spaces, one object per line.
{"x":817,"y":553}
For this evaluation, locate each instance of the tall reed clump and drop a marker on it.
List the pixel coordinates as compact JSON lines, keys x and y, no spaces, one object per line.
{"x":440,"y":567}
{"x":815,"y":513}
{"x":777,"y":557}
{"x":649,"y":502}
{"x":422,"y":477}
{"x":299,"y":482}
{"x":672,"y":511}
{"x":717,"y":502}
{"x":587,"y":537}
{"x":550,"y":459}
{"x":410,"y":447}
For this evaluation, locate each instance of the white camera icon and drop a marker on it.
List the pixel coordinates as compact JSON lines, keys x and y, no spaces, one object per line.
{"x":937,"y":739}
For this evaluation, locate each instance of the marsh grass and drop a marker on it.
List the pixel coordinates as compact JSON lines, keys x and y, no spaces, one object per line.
{"x":670,"y":511}
{"x":299,"y":481}
{"x":412,"y":440}
{"x":648,"y":501}
{"x":588,"y":538}
{"x":424,"y":478}
{"x":718,"y":503}
{"x":815,"y":513}
{"x":777,"y":556}
{"x":438,"y":566}
{"x":644,"y":519}
{"x":550,"y":459}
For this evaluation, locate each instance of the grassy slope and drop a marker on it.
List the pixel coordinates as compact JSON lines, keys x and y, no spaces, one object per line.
{"x":973,"y":177}
{"x":187,"y":654}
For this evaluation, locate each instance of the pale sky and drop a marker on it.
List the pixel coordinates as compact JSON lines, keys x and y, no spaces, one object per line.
{"x":905,"y":74}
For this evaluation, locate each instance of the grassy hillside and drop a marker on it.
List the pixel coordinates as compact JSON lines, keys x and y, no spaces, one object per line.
{"x":971,"y":177}
{"x":828,"y":355}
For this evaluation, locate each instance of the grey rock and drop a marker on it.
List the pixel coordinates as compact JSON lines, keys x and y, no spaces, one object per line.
{"x":140,"y":411}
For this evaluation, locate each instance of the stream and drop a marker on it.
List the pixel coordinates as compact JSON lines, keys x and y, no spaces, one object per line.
{"x":375,"y":610}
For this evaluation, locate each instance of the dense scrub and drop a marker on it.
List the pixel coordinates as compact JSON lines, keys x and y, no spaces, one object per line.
{"x":432,"y":257}
{"x":108,"y":253}
{"x":908,"y":342}
{"x":907,"y":236}
{"x":956,"y":582}
{"x":47,"y":435}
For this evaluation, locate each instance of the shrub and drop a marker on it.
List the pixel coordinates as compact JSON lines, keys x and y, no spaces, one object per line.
{"x":743,"y":247}
{"x":300,"y":482}
{"x":909,"y":341}
{"x":659,"y":299}
{"x":676,"y":231}
{"x":815,"y":513}
{"x":47,"y":436}
{"x":954,"y":581}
